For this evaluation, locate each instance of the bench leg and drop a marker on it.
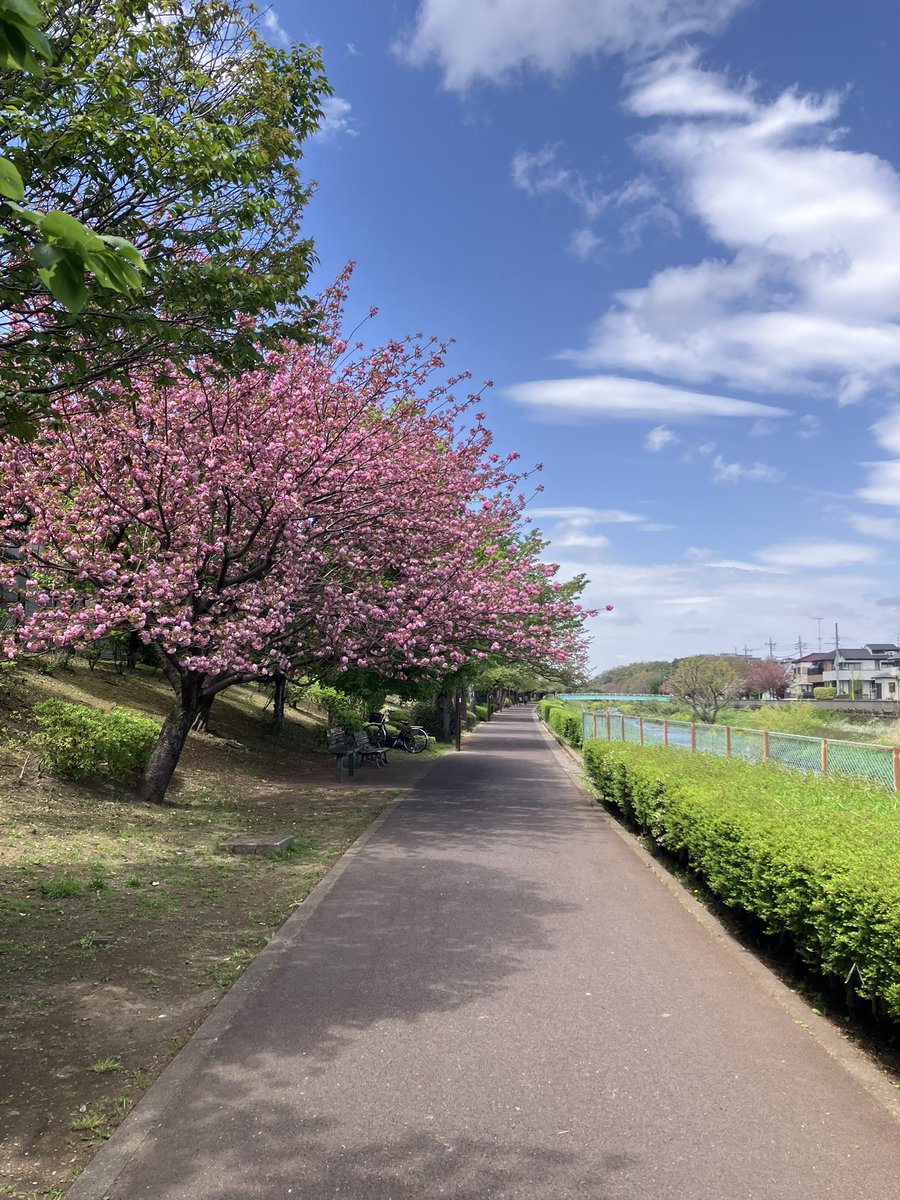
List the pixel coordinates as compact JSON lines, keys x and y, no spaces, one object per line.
{"x":351,"y":762}
{"x":339,"y":767}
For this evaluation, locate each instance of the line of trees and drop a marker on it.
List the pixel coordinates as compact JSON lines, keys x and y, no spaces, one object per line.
{"x":206,"y":464}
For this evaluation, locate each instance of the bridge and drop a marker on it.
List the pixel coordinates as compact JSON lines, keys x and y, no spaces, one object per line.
{"x":607,"y":696}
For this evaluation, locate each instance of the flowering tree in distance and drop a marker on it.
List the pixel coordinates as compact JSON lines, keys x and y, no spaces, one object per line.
{"x":336,"y":508}
{"x":769,"y":676}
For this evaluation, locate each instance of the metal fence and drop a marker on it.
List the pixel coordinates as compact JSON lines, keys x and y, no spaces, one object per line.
{"x":817,"y":756}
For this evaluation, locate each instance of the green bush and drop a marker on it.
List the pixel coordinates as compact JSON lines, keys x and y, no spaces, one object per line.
{"x":79,"y":741}
{"x":816,"y":860}
{"x":428,"y":716}
{"x":824,"y":693}
{"x":796,"y":716}
{"x":341,"y":709}
{"x":481,"y":712}
{"x":563,"y":721}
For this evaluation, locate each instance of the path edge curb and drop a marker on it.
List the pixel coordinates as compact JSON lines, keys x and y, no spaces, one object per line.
{"x":854,"y":1061}
{"x":109,"y":1162}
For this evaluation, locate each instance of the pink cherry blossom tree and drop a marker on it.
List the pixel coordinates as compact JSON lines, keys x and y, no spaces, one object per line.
{"x":770,"y":676}
{"x":338,"y":508}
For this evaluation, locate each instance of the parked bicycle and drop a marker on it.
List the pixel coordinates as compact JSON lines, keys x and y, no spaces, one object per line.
{"x":411,"y":738}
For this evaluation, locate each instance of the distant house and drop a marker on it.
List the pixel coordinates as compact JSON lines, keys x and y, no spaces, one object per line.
{"x":870,"y":672}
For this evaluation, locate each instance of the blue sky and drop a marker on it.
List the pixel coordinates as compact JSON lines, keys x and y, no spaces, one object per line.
{"x":669,"y":232}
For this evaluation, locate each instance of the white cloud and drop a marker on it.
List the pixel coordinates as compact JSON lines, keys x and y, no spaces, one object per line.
{"x":884,"y":477}
{"x":272,"y":24}
{"x":810,"y":427}
{"x":539,"y":173}
{"x":337,"y":119}
{"x":616,"y":396}
{"x":762,"y":428}
{"x":731,"y":564}
{"x":726,"y":472}
{"x":883,"y":486}
{"x":658,"y":438}
{"x":600,"y":516}
{"x":807,"y":297}
{"x":880,"y":527}
{"x":821,"y":555}
{"x":674,"y":87}
{"x":584,"y":243}
{"x":472,"y":40}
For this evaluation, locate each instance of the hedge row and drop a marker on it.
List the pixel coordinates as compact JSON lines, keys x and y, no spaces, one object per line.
{"x":78,"y":741}
{"x":816,"y":860}
{"x":561,"y":720}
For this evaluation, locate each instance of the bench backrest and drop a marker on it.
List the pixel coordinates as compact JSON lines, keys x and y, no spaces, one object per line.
{"x":337,"y":741}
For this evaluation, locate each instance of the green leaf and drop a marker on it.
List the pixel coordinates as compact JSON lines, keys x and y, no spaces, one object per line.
{"x":11,"y":184}
{"x":63,"y":230}
{"x":25,"y":214}
{"x":113,"y":272}
{"x":126,"y":249}
{"x":29,"y":13}
{"x":18,"y":42}
{"x":46,"y":256}
{"x":65,"y":279}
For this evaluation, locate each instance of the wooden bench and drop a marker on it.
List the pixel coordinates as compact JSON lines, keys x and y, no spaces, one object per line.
{"x":368,"y":750}
{"x":341,"y":746}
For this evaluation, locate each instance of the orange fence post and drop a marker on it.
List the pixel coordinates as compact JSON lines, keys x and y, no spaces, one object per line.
{"x":641,"y":729}
{"x":897,"y":768}
{"x":665,"y":733}
{"x":825,"y":756}
{"x":728,"y":741}
{"x":765,"y":745}
{"x":693,"y":737}
{"x":608,"y":729}
{"x":594,"y":718}
{"x":622,"y":719}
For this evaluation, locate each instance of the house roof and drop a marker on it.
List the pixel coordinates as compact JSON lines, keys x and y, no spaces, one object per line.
{"x":881,"y":647}
{"x":820,"y":656}
{"x":858,"y":653}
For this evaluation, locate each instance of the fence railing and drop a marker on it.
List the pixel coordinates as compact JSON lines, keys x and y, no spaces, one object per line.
{"x":817,"y":756}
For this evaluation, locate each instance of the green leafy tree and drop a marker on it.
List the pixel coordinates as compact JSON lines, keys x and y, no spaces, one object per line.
{"x":177,"y":127}
{"x":706,"y":684}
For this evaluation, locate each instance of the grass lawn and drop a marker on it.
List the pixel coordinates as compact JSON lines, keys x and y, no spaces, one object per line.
{"x":122,"y":924}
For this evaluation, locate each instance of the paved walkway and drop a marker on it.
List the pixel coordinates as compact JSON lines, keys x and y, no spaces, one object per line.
{"x":498,"y":998}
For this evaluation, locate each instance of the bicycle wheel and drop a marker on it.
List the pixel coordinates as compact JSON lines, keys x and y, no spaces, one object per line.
{"x":415,"y":743}
{"x":377,"y":735}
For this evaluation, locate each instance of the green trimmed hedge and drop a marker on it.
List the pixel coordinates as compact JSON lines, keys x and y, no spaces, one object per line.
{"x":561,"y":720}
{"x":817,"y":860}
{"x":481,"y":712}
{"x":79,"y":741}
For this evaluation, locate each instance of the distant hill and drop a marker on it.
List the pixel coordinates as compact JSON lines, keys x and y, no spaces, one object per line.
{"x":637,"y":678}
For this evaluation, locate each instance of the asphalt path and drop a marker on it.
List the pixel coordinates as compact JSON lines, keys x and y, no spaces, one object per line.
{"x":496,"y":996}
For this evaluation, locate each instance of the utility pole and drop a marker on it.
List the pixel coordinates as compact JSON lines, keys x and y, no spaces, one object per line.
{"x":771,"y":645}
{"x":819,"y":621}
{"x":837,"y":660}
{"x":801,"y":645}
{"x":746,"y":650}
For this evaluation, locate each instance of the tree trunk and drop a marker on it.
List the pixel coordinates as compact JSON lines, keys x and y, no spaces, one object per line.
{"x":446,"y":703}
{"x":164,"y":759}
{"x":134,"y":649}
{"x":201,"y":720}
{"x":278,"y":698}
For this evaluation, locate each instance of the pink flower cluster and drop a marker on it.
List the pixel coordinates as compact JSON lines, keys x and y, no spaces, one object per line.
{"x":338,"y":507}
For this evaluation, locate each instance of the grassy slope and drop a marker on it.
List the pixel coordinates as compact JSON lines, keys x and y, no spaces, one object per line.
{"x":121,"y":924}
